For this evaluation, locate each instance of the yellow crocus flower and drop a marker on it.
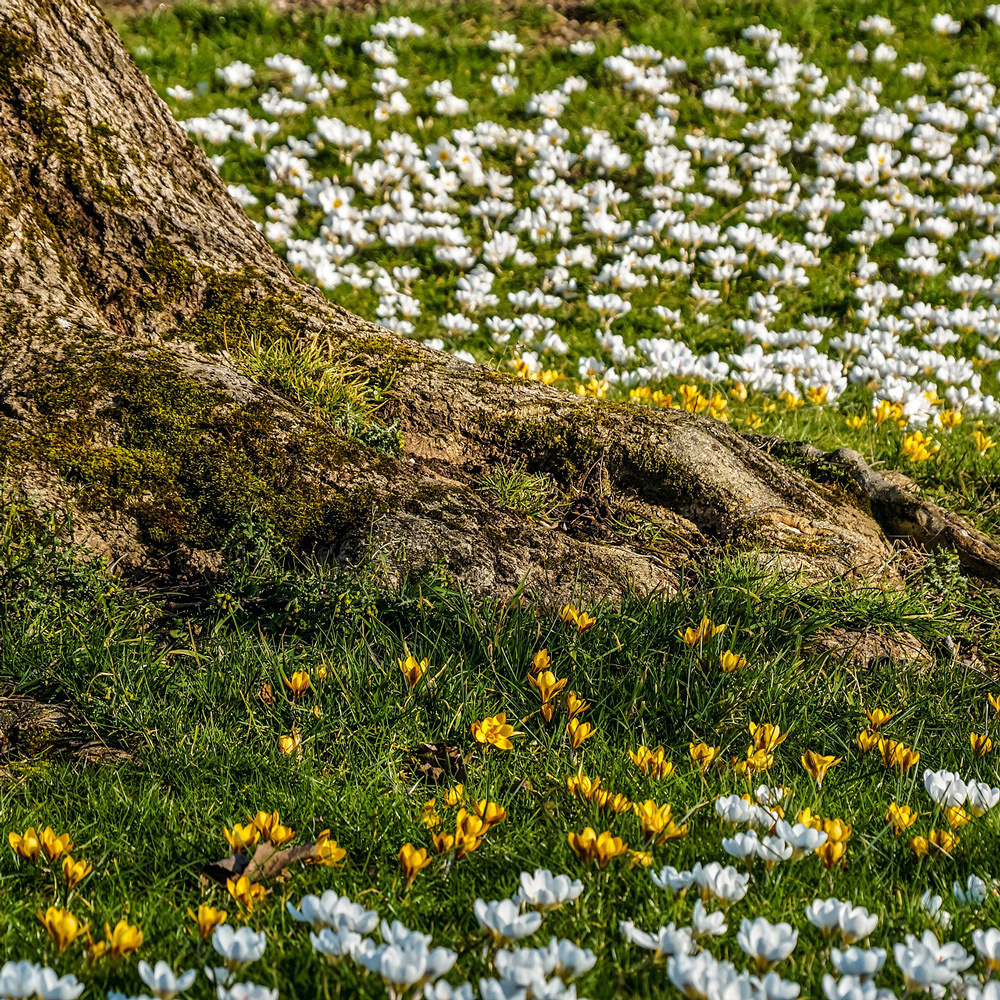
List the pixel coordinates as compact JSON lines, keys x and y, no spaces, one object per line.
{"x":299,"y":683}
{"x":245,"y":892}
{"x":75,"y":871}
{"x":412,"y":669}
{"x":575,"y":705}
{"x":28,"y":846}
{"x":817,"y":765}
{"x":983,"y":442}
{"x":540,"y":661}
{"x":766,"y":736}
{"x":901,"y":818}
{"x":328,"y":852}
{"x":582,"y":787}
{"x":61,"y":926}
{"x":590,"y":846}
{"x":123,"y":940}
{"x":730,"y":662}
{"x":878,"y":718}
{"x":207,"y":918}
{"x":242,"y":838}
{"x":491,"y":813}
{"x":578,"y":732}
{"x":652,"y":762}
{"x":413,"y":861}
{"x":703,"y":756}
{"x":494,"y":731}
{"x":54,"y":846}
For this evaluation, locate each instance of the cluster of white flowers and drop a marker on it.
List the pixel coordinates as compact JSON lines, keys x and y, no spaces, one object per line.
{"x":927,"y":964}
{"x":405,"y":960}
{"x":947,"y":789}
{"x":591,"y":245}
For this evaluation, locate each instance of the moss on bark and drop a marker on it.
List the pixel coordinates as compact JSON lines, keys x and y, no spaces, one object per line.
{"x":136,"y":434}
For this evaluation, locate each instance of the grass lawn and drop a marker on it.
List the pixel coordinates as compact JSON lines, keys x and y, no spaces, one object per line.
{"x":197,"y":703}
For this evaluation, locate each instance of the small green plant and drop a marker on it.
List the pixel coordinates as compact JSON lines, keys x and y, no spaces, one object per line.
{"x":308,"y":376}
{"x":530,"y":495}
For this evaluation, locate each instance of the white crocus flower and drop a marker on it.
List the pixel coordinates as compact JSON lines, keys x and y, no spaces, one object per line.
{"x":19,"y":980}
{"x":238,"y":947}
{"x":503,"y":920}
{"x":773,"y":987}
{"x":855,"y":923}
{"x":804,"y":839}
{"x":933,"y":906}
{"x":568,"y":960}
{"x":246,"y":991}
{"x":722,"y":883}
{"x":946,"y":788}
{"x":334,"y":944}
{"x":988,"y":991}
{"x":733,"y":809}
{"x":766,"y":943}
{"x":666,"y":941}
{"x":742,"y":846}
{"x":672,"y":880}
{"x":987,"y":945}
{"x":705,"y":924}
{"x":445,"y":991}
{"x":926,"y":964}
{"x":848,"y":988}
{"x":772,"y":850}
{"x":331,"y":910}
{"x":162,"y":982}
{"x":858,"y":962}
{"x":545,"y":891}
{"x":973,"y":893}
{"x":825,"y":914}
{"x":981,"y":797}
{"x":404,"y":967}
{"x":52,"y":986}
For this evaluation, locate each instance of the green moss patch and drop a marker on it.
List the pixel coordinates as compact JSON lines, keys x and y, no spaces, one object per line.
{"x":138,"y":435}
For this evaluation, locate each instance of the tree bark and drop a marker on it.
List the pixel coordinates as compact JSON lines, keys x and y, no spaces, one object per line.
{"x":132,"y":287}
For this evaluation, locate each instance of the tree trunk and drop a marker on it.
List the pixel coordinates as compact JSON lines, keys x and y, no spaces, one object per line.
{"x":133,"y":291}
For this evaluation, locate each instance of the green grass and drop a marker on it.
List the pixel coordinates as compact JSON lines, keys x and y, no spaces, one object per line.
{"x":181,"y":694}
{"x":189,"y":687}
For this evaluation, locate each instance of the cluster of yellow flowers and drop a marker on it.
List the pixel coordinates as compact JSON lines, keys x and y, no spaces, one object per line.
{"x":764,"y":740}
{"x":524,"y":370}
{"x":652,"y":763}
{"x":594,"y":388}
{"x":656,"y":821}
{"x":838,"y":833}
{"x":267,"y":828}
{"x":936,"y":844}
{"x":917,"y":447}
{"x":692,"y":400}
{"x":982,"y":743}
{"x":696,"y":637}
{"x":591,"y":846}
{"x":299,"y":684}
{"x":64,"y":928}
{"x":573,"y":616}
{"x":34,"y":847}
{"x":895,"y":754}
{"x":548,"y":686}
{"x":470,"y":829}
